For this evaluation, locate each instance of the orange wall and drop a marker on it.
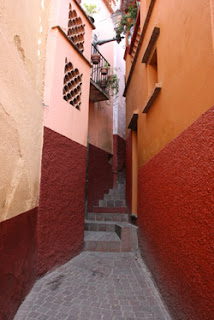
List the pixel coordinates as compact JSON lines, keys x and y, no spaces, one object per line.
{"x":185,"y":69}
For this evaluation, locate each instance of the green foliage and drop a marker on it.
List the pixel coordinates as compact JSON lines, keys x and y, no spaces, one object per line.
{"x":113,"y":84}
{"x":127,"y":20}
{"x":90,"y":9}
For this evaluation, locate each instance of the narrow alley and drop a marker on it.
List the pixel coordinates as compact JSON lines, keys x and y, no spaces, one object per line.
{"x":106,"y":160}
{"x":95,"y":285}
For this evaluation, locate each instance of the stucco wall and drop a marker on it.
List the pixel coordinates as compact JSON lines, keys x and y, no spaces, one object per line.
{"x":129,"y":172}
{"x":185,"y":70}
{"x":60,"y":227}
{"x":18,"y":261}
{"x":60,"y":224}
{"x":175,"y":219}
{"x":59,"y":115}
{"x":20,"y":129}
{"x":101,"y":114}
{"x":100,"y":176}
{"x":27,"y":25}
{"x":119,"y":108}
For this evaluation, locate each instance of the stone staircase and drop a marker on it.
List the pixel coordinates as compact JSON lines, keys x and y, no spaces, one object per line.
{"x":107,"y":228}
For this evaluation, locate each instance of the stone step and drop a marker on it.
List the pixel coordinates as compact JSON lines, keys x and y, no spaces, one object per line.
{"x":101,"y":216}
{"x":120,"y":189}
{"x":124,"y":239}
{"x":110,"y":209}
{"x":102,"y":241}
{"x":116,"y":191}
{"x":112,"y":203}
{"x":114,"y":197}
{"x":107,"y":226}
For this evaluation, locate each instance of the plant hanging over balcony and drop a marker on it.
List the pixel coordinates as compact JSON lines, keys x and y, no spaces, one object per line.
{"x":113,"y":84}
{"x":110,"y":82}
{"x":127,"y":20}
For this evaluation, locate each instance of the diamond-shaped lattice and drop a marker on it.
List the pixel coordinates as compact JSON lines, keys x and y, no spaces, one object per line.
{"x":76,"y":29}
{"x":72,"y":89}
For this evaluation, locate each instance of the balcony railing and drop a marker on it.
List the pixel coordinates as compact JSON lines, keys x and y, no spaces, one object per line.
{"x":99,"y":90}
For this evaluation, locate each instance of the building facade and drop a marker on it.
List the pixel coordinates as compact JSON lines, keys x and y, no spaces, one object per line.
{"x":55,"y":133}
{"x":169,"y":156}
{"x":44,"y":105}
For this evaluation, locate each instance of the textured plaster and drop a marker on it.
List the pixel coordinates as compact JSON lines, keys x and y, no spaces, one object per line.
{"x":60,"y":226}
{"x":119,"y":150}
{"x":119,"y":107}
{"x":59,"y":115}
{"x":100,"y":176}
{"x":175,"y":219}
{"x":27,"y":24}
{"x":17,"y":256}
{"x":129,"y":172}
{"x":101,"y":114}
{"x":185,"y":70}
{"x":21,"y":133}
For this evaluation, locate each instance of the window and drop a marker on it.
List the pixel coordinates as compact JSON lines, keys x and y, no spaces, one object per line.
{"x":152,"y":72}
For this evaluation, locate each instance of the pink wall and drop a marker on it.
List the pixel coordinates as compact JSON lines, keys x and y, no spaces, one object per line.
{"x":59,"y":115}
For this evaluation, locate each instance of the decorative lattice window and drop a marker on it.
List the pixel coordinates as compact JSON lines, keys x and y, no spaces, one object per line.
{"x":72,"y":89}
{"x":76,"y":29}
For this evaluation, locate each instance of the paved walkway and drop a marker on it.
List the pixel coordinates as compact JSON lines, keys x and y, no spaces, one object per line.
{"x":107,"y":286}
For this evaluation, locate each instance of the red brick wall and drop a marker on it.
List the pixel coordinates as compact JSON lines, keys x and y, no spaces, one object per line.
{"x":129,"y":172}
{"x":176,"y":220}
{"x":119,"y":149}
{"x":60,"y":227}
{"x":17,"y":261}
{"x":100,"y":176}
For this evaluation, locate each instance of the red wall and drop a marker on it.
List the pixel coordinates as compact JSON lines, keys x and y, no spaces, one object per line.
{"x":17,"y":261}
{"x":176,"y":220}
{"x":119,"y":149}
{"x":129,"y":172}
{"x":60,"y":227}
{"x":100,"y":176}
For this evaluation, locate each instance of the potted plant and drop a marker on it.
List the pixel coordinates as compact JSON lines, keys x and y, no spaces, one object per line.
{"x":104,"y":69}
{"x":95,"y":58}
{"x":110,"y":82}
{"x":90,"y":9}
{"x":103,"y":83}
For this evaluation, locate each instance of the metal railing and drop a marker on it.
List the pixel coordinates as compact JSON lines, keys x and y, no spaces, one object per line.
{"x":96,"y":71}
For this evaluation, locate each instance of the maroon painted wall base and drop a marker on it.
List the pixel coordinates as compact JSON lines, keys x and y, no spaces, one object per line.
{"x":60,"y":227}
{"x":100,"y":175}
{"x":129,"y":172}
{"x":17,"y":261}
{"x":119,"y":149}
{"x":176,"y":220}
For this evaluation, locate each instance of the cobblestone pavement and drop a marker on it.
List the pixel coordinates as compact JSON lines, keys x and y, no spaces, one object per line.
{"x":107,"y":286}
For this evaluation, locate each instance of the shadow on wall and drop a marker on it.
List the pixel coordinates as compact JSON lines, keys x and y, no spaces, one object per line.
{"x":100,"y":175}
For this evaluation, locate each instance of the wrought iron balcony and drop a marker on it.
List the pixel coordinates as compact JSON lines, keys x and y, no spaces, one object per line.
{"x":99,"y":90}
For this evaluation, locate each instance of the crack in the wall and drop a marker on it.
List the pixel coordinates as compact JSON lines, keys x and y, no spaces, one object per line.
{"x":14,"y":126}
{"x":18,"y":173}
{"x":18,"y":43}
